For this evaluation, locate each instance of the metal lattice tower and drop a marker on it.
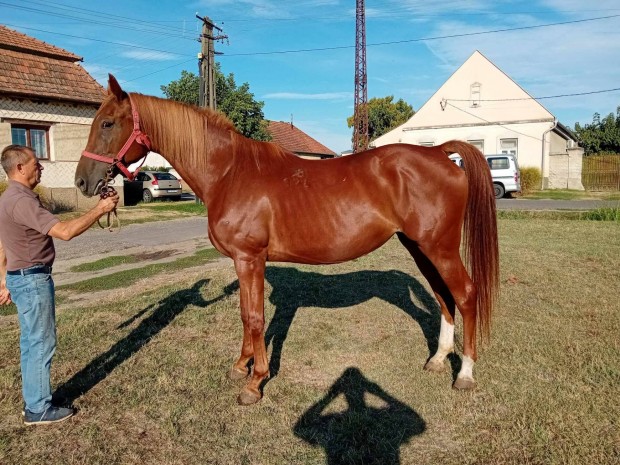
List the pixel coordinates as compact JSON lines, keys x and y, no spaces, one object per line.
{"x":360,"y":112}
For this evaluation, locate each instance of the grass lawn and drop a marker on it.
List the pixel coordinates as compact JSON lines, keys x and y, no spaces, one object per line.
{"x":566,"y":194}
{"x":347,"y":343}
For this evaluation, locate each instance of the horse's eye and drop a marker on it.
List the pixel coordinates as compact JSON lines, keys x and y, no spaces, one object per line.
{"x":107,"y":124}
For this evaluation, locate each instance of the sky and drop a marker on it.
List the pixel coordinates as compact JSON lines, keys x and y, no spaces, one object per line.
{"x":299,"y":57}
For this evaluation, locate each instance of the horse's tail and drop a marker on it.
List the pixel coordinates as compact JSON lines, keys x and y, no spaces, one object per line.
{"x":480,"y":231}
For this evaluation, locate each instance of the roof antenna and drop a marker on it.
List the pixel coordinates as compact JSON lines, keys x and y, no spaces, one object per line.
{"x":292,"y":126}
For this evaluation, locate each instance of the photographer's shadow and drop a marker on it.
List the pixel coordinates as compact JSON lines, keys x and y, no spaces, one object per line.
{"x":361,"y":434}
{"x":162,"y":314}
{"x":293,"y":289}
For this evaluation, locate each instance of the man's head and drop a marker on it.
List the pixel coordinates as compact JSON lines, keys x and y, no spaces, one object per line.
{"x":21,"y":165}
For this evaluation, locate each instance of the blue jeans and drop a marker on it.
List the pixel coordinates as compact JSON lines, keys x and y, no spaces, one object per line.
{"x":34,"y":297}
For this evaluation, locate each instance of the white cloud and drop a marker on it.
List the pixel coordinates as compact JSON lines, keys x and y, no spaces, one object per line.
{"x":302,"y":96}
{"x":149,"y":56}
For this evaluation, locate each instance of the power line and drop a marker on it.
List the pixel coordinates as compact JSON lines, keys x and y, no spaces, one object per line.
{"x":94,"y":21}
{"x":158,"y":71}
{"x":397,"y":12}
{"x":537,"y":98}
{"x":98,"y":40}
{"x":424,"y":39}
{"x":494,"y":123}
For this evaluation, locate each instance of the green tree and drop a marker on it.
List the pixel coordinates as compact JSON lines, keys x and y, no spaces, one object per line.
{"x":186,"y":89}
{"x":602,"y":135}
{"x":236,"y":102}
{"x":384,"y":115}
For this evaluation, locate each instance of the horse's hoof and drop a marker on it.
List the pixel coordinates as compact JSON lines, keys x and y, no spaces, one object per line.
{"x":434,"y":366}
{"x":247,"y":397}
{"x":464,"y":384}
{"x":237,"y":373}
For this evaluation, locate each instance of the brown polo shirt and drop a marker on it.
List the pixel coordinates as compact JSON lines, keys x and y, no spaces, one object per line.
{"x":24,"y":224}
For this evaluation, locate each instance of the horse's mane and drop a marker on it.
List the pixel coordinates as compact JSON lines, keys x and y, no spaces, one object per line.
{"x":179,"y":126}
{"x":190,"y":133}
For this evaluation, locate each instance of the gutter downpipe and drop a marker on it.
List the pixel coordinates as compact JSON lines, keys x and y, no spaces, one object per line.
{"x":542,"y":163}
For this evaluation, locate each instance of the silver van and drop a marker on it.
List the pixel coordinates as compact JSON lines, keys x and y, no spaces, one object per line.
{"x":504,"y":171}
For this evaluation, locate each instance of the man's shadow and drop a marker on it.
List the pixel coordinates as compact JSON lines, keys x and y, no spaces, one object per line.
{"x":293,"y":289}
{"x":362,"y":434}
{"x":163,"y":312}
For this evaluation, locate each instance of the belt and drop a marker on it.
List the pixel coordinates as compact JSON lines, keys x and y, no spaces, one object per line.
{"x":35,"y":270}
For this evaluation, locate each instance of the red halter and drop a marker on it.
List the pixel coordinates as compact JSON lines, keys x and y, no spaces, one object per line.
{"x":136,"y":136}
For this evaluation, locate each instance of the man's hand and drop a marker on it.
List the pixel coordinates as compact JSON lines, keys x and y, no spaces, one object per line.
{"x":109,"y":203}
{"x":67,"y":230}
{"x":5,"y":295}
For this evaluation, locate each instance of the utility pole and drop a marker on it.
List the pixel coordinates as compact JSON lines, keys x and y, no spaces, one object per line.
{"x":360,"y":111}
{"x":206,"y":63}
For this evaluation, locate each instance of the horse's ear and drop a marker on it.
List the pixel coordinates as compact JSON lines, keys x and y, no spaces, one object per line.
{"x":114,"y":88}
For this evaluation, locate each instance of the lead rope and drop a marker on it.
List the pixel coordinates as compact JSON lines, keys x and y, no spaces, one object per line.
{"x":108,"y":191}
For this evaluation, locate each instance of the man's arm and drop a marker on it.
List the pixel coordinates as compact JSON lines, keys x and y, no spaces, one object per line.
{"x":67,"y":230}
{"x":5,"y":296}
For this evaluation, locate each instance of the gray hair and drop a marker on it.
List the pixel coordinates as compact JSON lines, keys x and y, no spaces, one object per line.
{"x":13,"y":155}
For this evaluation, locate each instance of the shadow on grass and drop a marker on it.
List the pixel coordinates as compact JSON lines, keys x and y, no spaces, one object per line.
{"x":293,"y":289}
{"x":363,"y":433}
{"x":163,"y":312}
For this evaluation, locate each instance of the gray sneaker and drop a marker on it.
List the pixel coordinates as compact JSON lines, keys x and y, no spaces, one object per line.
{"x":50,"y":415}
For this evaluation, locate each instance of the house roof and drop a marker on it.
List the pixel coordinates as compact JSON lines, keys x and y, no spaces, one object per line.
{"x":295,"y":140}
{"x":32,"y":68}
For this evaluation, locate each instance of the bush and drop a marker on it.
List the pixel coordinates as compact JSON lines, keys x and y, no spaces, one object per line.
{"x":3,"y":186}
{"x":531,"y":179}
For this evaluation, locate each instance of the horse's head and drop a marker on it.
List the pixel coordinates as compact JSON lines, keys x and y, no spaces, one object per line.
{"x":112,"y":127}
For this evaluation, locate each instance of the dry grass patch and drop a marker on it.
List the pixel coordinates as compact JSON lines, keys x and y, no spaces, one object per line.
{"x":347,"y":345}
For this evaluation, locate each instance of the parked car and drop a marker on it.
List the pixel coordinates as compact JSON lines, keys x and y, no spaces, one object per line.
{"x":504,"y":171}
{"x":158,"y":184}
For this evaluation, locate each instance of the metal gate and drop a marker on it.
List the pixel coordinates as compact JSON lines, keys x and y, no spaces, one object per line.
{"x":601,"y":172}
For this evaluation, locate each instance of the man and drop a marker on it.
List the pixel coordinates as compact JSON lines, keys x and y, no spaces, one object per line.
{"x":26,"y":257}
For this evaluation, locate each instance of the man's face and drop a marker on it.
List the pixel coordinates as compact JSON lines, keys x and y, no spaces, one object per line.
{"x":31,"y":170}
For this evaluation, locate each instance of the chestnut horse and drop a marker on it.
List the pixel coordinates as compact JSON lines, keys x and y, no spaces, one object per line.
{"x":266,"y":204}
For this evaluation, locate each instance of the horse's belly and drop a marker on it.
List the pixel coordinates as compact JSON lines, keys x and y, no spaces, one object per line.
{"x":318,"y":246}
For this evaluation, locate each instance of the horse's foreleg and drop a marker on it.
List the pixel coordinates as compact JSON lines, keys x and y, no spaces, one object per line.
{"x":251,"y":273}
{"x":240,"y":369}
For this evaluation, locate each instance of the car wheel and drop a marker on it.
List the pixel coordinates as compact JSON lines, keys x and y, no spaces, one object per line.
{"x":499,"y":191}
{"x":147,"y":197}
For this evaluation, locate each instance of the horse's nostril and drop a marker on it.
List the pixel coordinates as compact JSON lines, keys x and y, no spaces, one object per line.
{"x":80,"y":184}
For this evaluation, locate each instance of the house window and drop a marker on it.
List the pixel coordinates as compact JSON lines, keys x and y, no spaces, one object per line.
{"x":509,"y":146}
{"x":35,"y":137}
{"x":479,"y":144}
{"x":474,"y":92}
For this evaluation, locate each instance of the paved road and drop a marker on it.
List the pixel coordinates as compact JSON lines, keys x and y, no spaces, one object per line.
{"x":133,"y":237}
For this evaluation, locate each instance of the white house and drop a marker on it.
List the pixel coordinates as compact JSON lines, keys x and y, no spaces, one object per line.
{"x":480,"y":104}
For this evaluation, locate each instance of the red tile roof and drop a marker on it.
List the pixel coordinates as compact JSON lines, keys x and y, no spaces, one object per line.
{"x":32,"y":68}
{"x":295,"y":140}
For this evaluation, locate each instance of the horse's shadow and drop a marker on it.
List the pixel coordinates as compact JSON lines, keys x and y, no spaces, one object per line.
{"x":293,"y":289}
{"x":162,"y":314}
{"x":363,"y":433}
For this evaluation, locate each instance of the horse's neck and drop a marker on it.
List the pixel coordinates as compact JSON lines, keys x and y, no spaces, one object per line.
{"x":200,"y":158}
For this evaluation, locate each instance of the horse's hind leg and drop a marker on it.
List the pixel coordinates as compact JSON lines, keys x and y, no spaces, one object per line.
{"x":251,"y":273}
{"x":446,"y":303}
{"x":445,"y":257}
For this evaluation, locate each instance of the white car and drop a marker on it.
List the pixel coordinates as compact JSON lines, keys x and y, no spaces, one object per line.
{"x":158,"y":184}
{"x":504,"y":171}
